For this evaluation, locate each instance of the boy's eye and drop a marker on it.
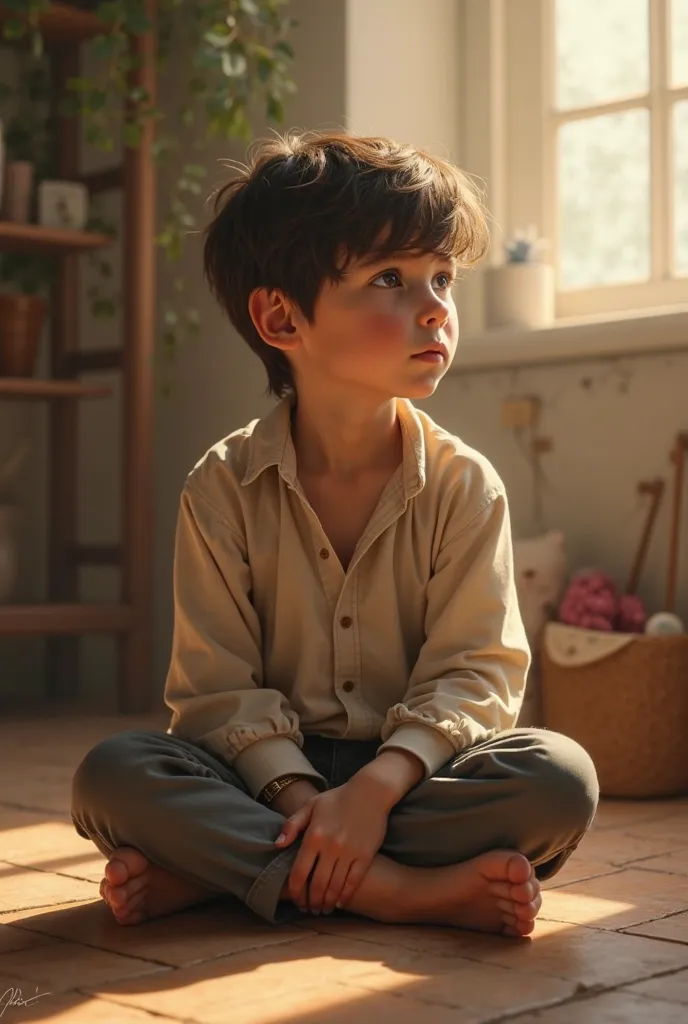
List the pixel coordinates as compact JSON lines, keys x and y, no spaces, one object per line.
{"x":390,"y":279}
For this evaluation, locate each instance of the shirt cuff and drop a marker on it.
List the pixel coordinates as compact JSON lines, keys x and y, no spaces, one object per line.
{"x":268,"y":759}
{"x":428,"y":744}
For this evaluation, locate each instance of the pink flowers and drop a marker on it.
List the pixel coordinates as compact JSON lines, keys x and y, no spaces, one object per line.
{"x":592,"y":602}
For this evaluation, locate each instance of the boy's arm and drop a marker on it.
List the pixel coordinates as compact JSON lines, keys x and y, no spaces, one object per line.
{"x":469,"y":678}
{"x":215,"y":685}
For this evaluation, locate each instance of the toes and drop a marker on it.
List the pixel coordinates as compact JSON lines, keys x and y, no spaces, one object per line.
{"x":134,"y":915}
{"x":516,"y":928}
{"x":116,"y":872}
{"x":125,"y":863}
{"x":519,"y":870}
{"x":526,"y":911}
{"x":135,"y":886}
{"x":524,"y":893}
{"x":525,"y":928}
{"x":520,"y":911}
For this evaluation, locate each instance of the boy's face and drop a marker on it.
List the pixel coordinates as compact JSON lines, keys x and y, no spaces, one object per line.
{"x":389,"y":327}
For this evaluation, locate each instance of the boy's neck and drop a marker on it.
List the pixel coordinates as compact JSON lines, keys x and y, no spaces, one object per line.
{"x":344,"y":437}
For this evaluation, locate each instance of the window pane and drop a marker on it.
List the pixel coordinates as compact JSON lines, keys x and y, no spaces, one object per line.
{"x":679,"y":41}
{"x":681,"y":186}
{"x":602,"y":49}
{"x":604,"y":200}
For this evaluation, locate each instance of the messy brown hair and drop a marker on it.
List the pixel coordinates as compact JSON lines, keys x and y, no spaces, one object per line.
{"x":308,"y":204}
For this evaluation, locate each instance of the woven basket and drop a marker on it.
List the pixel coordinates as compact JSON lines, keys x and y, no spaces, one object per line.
{"x":624,"y":698}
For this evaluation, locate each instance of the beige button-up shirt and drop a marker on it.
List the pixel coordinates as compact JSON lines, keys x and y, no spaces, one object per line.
{"x":420,"y":642}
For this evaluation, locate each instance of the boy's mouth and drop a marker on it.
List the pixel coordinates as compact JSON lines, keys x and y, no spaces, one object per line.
{"x":435,"y":353}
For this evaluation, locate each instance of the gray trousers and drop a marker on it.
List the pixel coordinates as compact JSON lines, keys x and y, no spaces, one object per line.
{"x":187,"y":810}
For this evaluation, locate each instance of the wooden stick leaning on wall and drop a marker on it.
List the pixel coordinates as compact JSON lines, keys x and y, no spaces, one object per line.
{"x":678,"y":457}
{"x":656,"y":489}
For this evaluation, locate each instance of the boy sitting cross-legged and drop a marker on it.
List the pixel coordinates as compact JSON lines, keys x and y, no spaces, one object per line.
{"x":348,"y":660}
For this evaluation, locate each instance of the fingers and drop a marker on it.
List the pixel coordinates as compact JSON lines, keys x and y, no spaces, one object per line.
{"x":357,"y":873}
{"x":294,"y":826}
{"x":335,"y":889}
{"x":298,"y":876}
{"x":320,"y":882}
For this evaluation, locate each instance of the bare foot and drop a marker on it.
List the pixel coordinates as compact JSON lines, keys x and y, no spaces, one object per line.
{"x":496,"y":892}
{"x":137,"y":890}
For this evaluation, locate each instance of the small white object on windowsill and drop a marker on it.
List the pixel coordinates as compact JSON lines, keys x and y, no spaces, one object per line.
{"x":520,"y":292}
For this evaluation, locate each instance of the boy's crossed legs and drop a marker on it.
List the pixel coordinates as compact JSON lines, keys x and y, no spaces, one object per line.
{"x":449,"y":856}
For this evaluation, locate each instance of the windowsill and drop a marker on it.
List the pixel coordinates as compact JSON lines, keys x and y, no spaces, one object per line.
{"x":656,"y":331}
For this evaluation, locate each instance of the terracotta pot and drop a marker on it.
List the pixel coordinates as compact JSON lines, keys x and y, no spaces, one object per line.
{"x":21,"y":323}
{"x":9,"y":557}
{"x":19,"y":175}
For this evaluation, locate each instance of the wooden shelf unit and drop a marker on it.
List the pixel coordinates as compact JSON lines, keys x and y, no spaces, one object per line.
{"x":51,"y":241}
{"x":64,"y":619}
{"x":34,"y":389}
{"x":62,"y":25}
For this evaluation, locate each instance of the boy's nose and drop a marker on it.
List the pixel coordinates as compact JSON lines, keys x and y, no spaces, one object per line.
{"x":435,"y":315}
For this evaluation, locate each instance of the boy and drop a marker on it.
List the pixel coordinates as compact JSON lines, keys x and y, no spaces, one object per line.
{"x":348,"y":658}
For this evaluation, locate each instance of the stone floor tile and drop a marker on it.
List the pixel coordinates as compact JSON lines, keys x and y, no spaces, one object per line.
{"x":618,"y":848}
{"x":74,"y":1008}
{"x":619,"y":900}
{"x":313,"y":962}
{"x":180,"y":940}
{"x":609,"y":1008}
{"x":51,"y":793}
{"x":483,"y":989}
{"x":16,"y":938}
{"x":340,"y":1004}
{"x":428,"y":939}
{"x":674,"y":928}
{"x":672,"y":987}
{"x":318,"y":965}
{"x":577,"y":869}
{"x":587,"y":956}
{"x":60,"y":966}
{"x":21,"y":888}
{"x":671,"y":863}
{"x":50,"y":844}
{"x":672,"y":829}
{"x":622,"y":813}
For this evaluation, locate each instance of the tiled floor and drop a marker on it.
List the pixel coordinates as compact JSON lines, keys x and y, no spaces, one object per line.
{"x":611,"y":946}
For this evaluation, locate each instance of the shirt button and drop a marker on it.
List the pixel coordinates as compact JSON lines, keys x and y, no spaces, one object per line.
{"x":345,"y":622}
{"x":348,"y":686}
{"x":324,"y":553}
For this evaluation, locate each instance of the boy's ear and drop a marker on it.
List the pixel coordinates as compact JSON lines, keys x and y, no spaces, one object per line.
{"x":275,"y":318}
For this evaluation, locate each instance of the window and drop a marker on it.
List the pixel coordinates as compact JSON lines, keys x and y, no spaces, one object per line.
{"x":595,"y":144}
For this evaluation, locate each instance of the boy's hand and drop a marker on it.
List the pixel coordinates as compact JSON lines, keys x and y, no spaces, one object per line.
{"x":344,"y":828}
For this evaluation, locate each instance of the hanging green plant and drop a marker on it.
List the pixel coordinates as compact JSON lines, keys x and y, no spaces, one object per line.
{"x":235,"y":60}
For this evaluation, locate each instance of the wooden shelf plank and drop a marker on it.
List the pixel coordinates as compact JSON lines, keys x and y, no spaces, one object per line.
{"x":31,"y":388}
{"x":36,"y":238}
{"x":64,"y":619}
{"x":62,"y":24}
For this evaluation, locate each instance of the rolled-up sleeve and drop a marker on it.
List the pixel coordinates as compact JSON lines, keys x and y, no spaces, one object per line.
{"x":215,"y":685}
{"x":469,"y":679}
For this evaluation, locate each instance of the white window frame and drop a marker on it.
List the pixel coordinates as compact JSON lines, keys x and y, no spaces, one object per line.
{"x":520,"y":167}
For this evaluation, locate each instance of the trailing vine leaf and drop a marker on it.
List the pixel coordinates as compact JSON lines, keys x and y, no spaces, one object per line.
{"x":238,"y":54}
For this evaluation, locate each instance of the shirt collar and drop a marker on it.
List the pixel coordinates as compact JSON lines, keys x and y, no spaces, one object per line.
{"x":271,"y":445}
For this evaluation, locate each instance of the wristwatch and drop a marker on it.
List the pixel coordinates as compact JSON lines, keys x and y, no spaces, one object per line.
{"x":269,"y":792}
